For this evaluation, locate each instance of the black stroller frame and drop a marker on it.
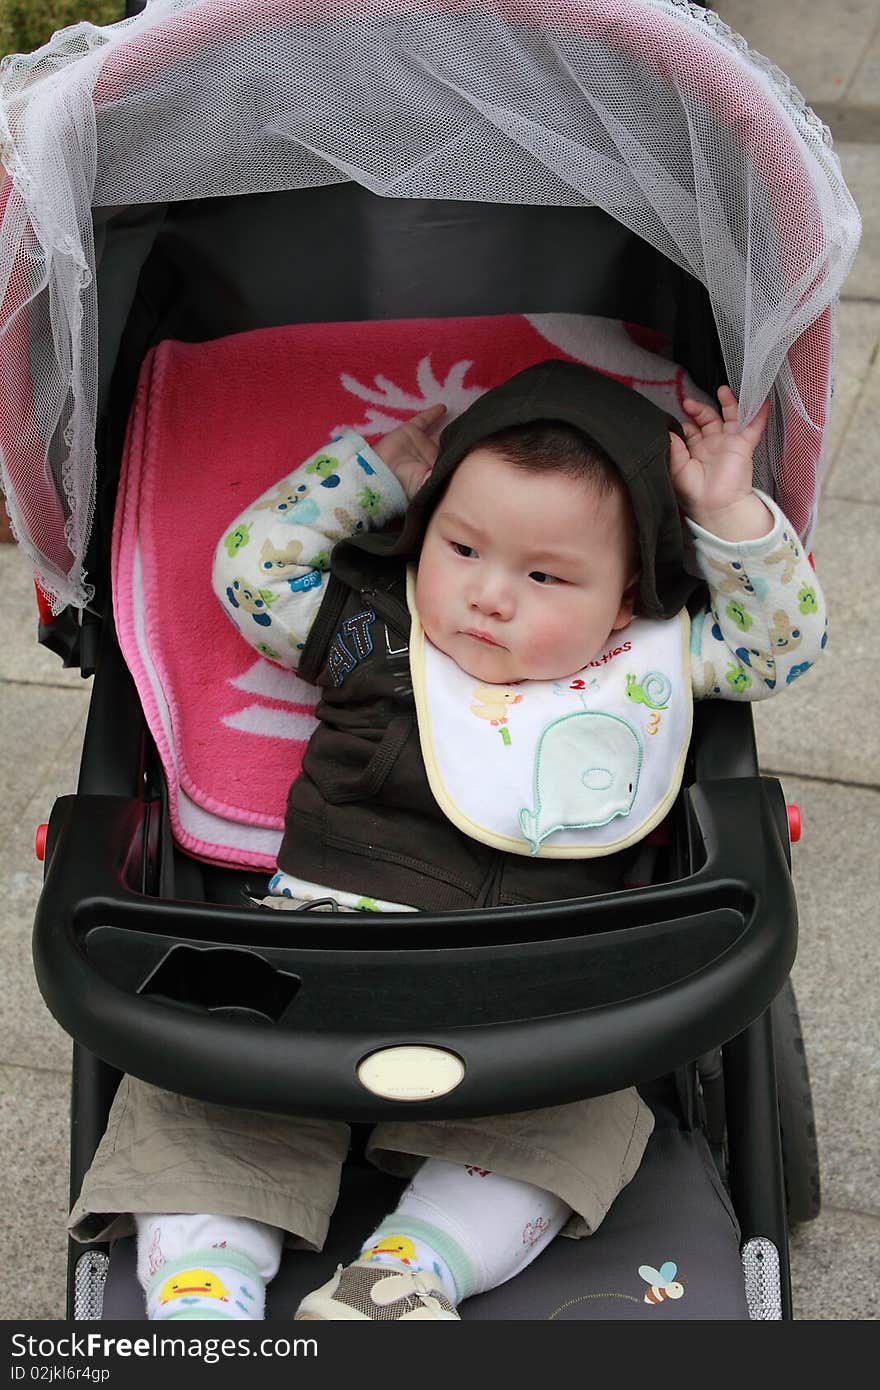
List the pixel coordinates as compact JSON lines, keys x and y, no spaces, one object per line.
{"x":153,"y":962}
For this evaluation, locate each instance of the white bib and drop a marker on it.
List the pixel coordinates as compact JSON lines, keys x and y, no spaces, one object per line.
{"x":564,"y":769}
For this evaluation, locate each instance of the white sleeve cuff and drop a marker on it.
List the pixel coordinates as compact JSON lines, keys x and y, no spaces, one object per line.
{"x":738,"y":550}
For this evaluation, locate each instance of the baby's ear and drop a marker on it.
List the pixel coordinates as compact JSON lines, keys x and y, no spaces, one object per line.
{"x":626,"y":611}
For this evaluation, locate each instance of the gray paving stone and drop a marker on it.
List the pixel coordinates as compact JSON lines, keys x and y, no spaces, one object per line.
{"x":822,"y":726}
{"x":39,"y":731}
{"x":858,"y":332}
{"x":29,"y":1036}
{"x":21,"y":656}
{"x":864,"y":87}
{"x":35,"y":1080}
{"x":854,"y":475}
{"x":820,"y":53}
{"x":33,"y":1192}
{"x":836,"y":977}
{"x":52,"y":721}
{"x":852,"y":124}
{"x":834,"y":1263}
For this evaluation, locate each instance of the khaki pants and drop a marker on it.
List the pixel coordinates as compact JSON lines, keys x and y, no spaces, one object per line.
{"x":168,"y":1153}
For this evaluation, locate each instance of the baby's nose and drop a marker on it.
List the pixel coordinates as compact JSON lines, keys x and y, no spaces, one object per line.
{"x":494,"y":598}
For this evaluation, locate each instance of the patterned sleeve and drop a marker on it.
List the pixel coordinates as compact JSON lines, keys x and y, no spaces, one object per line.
{"x":765,"y":623}
{"x":270,"y":566}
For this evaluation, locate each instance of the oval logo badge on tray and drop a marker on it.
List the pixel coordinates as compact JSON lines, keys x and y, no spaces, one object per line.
{"x":411,"y":1073}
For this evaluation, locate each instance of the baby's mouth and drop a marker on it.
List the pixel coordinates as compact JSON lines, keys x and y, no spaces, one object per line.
{"x":479,"y":636}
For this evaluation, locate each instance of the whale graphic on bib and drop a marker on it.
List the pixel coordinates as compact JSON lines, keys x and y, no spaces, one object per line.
{"x":586,"y":772}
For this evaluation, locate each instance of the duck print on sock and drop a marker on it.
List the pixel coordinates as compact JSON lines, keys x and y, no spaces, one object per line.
{"x":192,"y":1284}
{"x":401,"y":1247}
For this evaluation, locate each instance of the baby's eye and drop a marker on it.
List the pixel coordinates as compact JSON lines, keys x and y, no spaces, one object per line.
{"x":467,"y":551}
{"x":541,"y":578}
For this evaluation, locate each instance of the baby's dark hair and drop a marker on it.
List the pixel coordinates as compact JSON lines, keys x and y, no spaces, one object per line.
{"x":554,"y":446}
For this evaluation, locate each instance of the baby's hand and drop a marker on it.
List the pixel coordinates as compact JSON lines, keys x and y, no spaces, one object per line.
{"x":711,"y":470}
{"x":409,"y":451}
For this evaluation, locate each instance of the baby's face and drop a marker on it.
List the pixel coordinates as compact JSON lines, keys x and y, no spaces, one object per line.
{"x":523,"y":576}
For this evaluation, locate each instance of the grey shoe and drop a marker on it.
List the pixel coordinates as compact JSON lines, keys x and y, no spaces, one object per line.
{"x":366,"y":1292}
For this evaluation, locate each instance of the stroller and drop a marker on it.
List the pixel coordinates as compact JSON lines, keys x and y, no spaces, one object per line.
{"x":203,"y":170}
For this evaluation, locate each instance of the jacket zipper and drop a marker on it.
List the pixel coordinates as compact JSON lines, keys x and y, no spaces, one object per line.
{"x":490,"y":890}
{"x":390,"y":609}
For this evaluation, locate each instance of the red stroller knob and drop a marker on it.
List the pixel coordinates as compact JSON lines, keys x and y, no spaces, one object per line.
{"x":40,"y":841}
{"x":794,"y":822}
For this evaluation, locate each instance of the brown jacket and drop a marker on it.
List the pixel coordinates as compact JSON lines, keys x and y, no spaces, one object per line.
{"x":362,"y":816}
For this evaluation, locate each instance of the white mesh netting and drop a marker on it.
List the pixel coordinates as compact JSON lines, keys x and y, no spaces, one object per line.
{"x":651,"y":109}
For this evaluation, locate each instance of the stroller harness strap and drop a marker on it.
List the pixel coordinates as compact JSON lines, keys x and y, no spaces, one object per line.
{"x":570,"y":768}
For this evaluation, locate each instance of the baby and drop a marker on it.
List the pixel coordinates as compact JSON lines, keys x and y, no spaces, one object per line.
{"x":507,"y":662}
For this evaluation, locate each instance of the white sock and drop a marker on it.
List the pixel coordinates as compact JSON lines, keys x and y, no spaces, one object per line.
{"x":205,"y":1267}
{"x":472,"y":1228}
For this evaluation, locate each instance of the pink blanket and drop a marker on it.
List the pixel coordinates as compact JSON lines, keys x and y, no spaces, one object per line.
{"x":213,"y":425}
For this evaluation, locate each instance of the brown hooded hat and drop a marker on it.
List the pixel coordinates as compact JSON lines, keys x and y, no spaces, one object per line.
{"x":632,"y":431}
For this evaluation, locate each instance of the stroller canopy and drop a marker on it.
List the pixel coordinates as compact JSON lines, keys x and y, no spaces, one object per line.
{"x":652,"y":110}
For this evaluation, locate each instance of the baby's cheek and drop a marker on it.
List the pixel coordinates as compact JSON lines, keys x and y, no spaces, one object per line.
{"x":427,"y":602}
{"x":555,"y":643}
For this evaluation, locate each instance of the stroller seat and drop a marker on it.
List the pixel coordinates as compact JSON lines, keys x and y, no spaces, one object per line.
{"x":153,"y":961}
